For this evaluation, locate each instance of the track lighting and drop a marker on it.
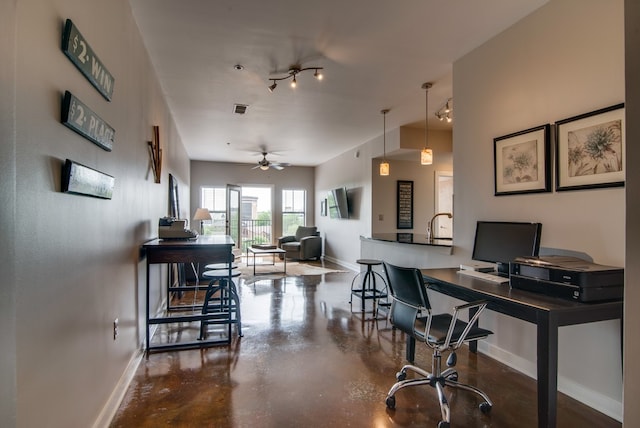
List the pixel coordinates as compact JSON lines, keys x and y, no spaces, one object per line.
{"x":294,"y":70}
{"x":446,"y":112}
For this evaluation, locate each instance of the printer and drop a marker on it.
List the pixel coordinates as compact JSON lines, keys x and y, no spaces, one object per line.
{"x":173,"y":228}
{"x":567,"y":277}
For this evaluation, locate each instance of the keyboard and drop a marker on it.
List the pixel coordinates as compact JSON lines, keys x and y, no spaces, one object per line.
{"x":490,"y":277}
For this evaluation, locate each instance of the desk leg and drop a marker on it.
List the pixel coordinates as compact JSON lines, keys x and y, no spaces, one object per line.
{"x":148,"y":339}
{"x":473,"y":345}
{"x":411,"y":349}
{"x":547,"y":371}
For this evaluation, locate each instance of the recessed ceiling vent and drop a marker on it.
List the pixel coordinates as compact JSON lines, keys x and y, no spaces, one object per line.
{"x":240,"y":108}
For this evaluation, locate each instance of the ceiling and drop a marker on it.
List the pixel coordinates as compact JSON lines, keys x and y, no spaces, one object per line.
{"x":376,"y":54}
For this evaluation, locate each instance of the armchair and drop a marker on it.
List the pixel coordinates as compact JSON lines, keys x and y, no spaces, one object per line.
{"x":304,"y":245}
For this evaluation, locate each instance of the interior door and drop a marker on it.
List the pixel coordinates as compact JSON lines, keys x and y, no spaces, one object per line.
{"x":234,"y":198}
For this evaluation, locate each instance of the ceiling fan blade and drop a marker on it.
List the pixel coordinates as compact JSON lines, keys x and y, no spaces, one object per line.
{"x":277,"y":166}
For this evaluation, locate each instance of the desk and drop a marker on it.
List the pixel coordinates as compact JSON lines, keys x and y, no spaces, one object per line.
{"x":204,"y":249}
{"x":548,"y":313}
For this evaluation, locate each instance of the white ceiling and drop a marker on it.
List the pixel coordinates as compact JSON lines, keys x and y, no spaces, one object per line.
{"x":376,"y":54}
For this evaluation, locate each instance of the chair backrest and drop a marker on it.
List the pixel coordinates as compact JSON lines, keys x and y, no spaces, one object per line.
{"x":409,"y":296}
{"x":304,"y":231}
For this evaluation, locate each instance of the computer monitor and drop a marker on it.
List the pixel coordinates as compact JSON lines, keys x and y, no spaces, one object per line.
{"x":501,"y":242}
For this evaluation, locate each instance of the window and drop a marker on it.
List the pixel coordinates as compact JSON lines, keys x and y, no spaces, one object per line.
{"x":215,"y":200}
{"x":293,"y":210}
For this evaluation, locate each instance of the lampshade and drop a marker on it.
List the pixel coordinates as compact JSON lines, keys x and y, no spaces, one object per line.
{"x":384,"y":168}
{"x":426,"y":157}
{"x":202,"y":214}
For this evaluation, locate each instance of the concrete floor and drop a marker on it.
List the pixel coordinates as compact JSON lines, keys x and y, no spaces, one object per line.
{"x":307,"y":361}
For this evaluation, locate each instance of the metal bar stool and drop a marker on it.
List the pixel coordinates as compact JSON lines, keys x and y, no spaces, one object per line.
{"x":368,"y":289}
{"x":221,"y":300}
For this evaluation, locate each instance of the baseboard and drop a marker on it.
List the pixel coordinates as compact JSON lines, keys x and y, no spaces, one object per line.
{"x":589,"y":397}
{"x":351,"y":266}
{"x":117,"y":395}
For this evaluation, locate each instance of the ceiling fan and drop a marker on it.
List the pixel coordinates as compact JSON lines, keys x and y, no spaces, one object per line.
{"x":264,"y":164}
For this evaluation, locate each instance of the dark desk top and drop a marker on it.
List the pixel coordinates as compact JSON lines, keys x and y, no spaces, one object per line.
{"x":204,"y":249}
{"x":411,"y":238}
{"x":202,"y":240}
{"x":519,"y":303}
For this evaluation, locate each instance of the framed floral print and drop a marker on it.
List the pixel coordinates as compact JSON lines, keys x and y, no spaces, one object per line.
{"x":521,"y":162}
{"x":590,"y":150}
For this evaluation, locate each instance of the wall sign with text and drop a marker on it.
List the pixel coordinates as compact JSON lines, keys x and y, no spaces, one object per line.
{"x":76,"y":48}
{"x":79,"y":179}
{"x":80,"y":118}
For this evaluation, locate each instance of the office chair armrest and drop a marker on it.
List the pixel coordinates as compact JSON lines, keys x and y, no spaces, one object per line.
{"x":480,"y":305}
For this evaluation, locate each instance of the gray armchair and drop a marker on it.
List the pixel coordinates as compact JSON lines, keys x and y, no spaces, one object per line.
{"x":305,"y":245}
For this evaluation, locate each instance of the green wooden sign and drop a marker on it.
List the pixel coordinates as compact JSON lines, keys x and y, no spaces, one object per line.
{"x":80,"y":118}
{"x":76,"y":48}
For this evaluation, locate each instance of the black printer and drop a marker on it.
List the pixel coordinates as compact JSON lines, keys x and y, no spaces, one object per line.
{"x":567,"y":277}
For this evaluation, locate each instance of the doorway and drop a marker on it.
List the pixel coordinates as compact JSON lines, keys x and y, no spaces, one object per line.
{"x":256,"y":216}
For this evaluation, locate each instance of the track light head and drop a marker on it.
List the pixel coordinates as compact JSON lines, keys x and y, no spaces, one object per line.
{"x":318,"y":74}
{"x":273,"y":86}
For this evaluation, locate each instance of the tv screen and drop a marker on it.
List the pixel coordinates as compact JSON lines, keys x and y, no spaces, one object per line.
{"x":501,"y":242}
{"x":337,"y":203}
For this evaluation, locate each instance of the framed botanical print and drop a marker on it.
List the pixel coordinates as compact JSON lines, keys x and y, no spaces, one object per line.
{"x":521,"y":162}
{"x":590,"y":150}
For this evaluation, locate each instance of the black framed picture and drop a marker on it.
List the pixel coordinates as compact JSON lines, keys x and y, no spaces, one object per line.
{"x":80,"y":179}
{"x":404,"y":206}
{"x":522,"y":162}
{"x":590,"y":150}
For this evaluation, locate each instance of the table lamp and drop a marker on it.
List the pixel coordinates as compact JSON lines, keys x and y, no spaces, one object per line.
{"x":201,"y":215}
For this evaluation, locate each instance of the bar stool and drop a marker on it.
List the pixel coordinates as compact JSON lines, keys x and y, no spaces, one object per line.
{"x":221,"y":301}
{"x":368,"y":288}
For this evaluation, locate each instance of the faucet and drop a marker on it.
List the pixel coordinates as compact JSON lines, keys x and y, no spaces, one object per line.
{"x":430,"y":236}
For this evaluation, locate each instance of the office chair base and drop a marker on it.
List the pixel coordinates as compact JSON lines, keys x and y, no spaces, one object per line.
{"x":448,"y":377}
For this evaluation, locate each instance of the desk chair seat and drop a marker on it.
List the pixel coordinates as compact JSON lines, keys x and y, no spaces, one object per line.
{"x":441,"y":333}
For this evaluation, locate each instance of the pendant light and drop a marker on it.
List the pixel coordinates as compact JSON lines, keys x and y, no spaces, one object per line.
{"x":426,"y":155}
{"x":384,"y":165}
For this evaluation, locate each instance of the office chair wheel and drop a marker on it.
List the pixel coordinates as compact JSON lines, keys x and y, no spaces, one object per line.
{"x":401,"y":376}
{"x":443,"y":424}
{"x":485,"y":407}
{"x":391,"y":402}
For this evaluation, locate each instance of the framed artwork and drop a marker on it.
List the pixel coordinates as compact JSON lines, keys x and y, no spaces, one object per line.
{"x":404,"y":205}
{"x":522,"y":163}
{"x":79,"y":179}
{"x":590,"y":150}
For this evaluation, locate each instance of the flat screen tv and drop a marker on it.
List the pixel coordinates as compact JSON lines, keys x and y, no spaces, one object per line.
{"x":337,"y":203}
{"x":501,"y":242}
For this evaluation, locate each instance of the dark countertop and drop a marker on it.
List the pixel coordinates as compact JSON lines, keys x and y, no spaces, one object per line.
{"x":411,"y":238}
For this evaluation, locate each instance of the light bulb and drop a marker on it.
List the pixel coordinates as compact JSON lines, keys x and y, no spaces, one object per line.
{"x":294,"y":83}
{"x":318,"y":75}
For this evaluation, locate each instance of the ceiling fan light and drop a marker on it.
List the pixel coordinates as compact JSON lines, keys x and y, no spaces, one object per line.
{"x":264,"y":167}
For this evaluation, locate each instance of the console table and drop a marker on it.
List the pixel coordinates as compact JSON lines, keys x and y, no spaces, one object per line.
{"x":548,"y":313}
{"x":204,"y":249}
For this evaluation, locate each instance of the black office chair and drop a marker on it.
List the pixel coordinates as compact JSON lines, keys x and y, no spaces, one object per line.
{"x":442,"y":332}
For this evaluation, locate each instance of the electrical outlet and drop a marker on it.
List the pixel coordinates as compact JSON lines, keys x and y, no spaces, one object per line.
{"x":380,"y":217}
{"x":115,"y":329}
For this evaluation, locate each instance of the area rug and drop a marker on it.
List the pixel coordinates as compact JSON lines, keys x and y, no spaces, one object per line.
{"x":270,"y":271}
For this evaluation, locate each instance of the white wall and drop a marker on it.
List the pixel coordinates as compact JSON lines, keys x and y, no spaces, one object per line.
{"x":76,"y":259}
{"x":632,"y":268}
{"x":220,"y":174}
{"x":564,"y":59}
